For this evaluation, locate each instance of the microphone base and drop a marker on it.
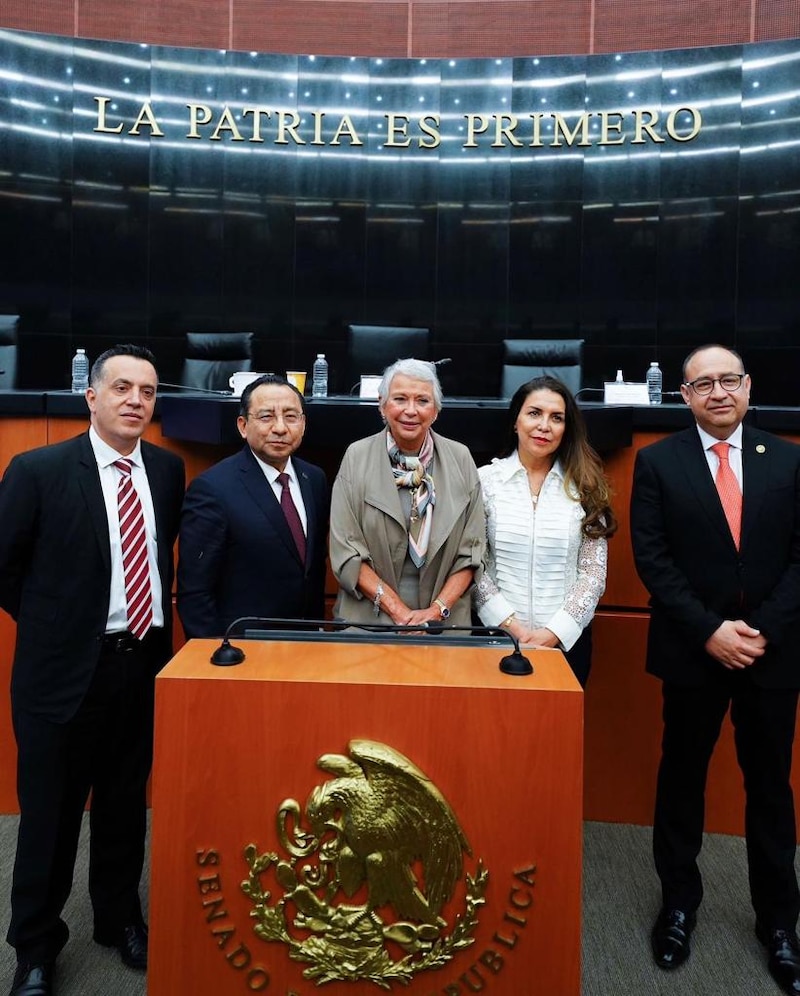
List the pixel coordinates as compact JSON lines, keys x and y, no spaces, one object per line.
{"x":226,"y":655}
{"x":516,"y":664}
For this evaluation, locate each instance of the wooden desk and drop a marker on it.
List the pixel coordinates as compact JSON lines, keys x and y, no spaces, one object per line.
{"x":233,"y":743}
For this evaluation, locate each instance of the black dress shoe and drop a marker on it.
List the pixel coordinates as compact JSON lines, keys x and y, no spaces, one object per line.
{"x":131,"y":942}
{"x":33,"y":980}
{"x":783,"y":960}
{"x":670,"y":938}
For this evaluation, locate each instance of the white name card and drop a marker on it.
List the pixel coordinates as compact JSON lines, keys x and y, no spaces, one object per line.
{"x":368,"y":386}
{"x":628,"y":393}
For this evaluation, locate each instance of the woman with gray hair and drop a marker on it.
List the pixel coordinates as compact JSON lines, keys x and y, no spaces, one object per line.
{"x":407,"y":531}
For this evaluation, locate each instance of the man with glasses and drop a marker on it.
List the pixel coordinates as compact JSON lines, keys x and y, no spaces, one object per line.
{"x":254,"y":526}
{"x":715,"y":524}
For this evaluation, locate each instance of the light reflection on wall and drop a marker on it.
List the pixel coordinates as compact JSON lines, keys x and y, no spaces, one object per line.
{"x":643,"y":250}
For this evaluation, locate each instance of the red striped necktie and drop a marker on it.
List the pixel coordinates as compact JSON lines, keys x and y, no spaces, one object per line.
{"x":133,"y":536}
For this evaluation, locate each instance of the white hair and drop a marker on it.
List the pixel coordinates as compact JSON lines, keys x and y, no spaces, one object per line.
{"x":417,"y":370}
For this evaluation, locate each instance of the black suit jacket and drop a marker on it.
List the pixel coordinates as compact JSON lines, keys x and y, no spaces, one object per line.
{"x":687,"y":559}
{"x":55,"y":566}
{"x":236,"y":553}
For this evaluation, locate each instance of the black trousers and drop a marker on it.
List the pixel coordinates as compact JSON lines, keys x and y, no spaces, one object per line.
{"x":764,"y":723}
{"x":107,"y":747}
{"x":579,"y":656}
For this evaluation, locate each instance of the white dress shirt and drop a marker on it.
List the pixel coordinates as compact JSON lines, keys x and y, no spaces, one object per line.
{"x":271,"y":474}
{"x":109,"y":481}
{"x":734,"y":453}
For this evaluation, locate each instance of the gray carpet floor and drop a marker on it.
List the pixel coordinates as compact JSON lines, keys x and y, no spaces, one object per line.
{"x":620,"y":901}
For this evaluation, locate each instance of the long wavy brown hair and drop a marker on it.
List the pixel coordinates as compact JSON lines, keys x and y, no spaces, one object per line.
{"x":583,"y":469}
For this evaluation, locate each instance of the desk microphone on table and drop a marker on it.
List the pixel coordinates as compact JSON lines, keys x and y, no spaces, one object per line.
{"x":226,"y":654}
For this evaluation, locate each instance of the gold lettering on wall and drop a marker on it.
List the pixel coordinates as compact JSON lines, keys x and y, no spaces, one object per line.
{"x":502,"y":130}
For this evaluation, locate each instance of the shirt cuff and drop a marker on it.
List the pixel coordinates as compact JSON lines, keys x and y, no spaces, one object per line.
{"x":565,"y":627}
{"x":495,"y":610}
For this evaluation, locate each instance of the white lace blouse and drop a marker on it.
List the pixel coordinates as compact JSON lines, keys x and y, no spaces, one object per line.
{"x":539,"y":564}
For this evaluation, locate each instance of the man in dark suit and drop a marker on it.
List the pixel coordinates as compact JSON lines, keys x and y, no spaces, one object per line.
{"x":237,"y":552}
{"x":82,"y":682}
{"x":716,"y":538}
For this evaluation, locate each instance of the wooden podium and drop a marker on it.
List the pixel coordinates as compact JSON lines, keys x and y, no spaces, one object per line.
{"x":437,"y":801}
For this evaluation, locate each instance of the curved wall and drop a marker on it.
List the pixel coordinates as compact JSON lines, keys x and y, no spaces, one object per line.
{"x":417,"y":28}
{"x":149,"y":191}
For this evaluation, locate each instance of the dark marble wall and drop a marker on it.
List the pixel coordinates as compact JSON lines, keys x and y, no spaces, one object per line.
{"x":643,"y":250}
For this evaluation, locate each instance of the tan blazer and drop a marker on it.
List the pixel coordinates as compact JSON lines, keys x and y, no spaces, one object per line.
{"x":368,"y":525}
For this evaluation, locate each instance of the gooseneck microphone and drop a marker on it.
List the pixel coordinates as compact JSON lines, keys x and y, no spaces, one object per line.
{"x":227,"y":655}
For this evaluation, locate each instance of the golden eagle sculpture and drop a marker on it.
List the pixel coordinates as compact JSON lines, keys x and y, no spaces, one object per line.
{"x":388,"y":820}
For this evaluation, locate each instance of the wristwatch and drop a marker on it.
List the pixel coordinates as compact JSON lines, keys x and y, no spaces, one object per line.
{"x":444,"y":612}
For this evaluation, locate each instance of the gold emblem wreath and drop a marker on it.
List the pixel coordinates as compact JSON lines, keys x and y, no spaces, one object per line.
{"x":366,"y":832}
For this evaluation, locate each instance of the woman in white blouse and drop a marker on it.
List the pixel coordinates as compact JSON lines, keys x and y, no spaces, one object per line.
{"x":548,"y":517}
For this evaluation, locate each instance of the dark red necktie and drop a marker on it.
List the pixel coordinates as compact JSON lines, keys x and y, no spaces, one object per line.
{"x":292,"y":516}
{"x":133,"y":537}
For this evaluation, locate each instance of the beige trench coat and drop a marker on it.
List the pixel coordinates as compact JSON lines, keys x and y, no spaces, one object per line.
{"x":368,"y":525}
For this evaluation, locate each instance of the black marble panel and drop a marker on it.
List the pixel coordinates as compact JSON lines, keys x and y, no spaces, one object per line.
{"x":546,"y":198}
{"x":147,"y":192}
{"x":36,"y":115}
{"x":620,"y":217}
{"x":474,"y":222}
{"x":186,"y":200}
{"x":769,"y":243}
{"x":259,"y":196}
{"x":110,"y":195}
{"x":403,"y":169}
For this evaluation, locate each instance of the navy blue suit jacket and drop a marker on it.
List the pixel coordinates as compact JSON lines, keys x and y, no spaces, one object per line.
{"x":696,"y":577}
{"x":236,"y":553}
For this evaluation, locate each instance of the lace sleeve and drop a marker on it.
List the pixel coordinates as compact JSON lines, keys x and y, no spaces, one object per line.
{"x":485,"y":589}
{"x":583,"y":596}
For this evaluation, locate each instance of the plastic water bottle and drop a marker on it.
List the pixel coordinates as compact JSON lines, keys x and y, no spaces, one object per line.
{"x":80,"y":372}
{"x":655,"y":382}
{"x":619,"y":378}
{"x":319,"y":382}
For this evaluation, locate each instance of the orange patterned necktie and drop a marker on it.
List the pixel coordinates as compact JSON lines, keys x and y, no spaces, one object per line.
{"x":730,"y":494}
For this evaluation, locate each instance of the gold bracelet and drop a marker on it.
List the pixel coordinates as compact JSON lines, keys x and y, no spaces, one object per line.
{"x":507,"y":622}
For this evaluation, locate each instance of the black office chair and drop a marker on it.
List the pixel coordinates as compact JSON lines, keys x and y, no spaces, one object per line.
{"x":211,"y":358}
{"x":524,"y":359}
{"x":372,"y":348}
{"x":9,"y":325}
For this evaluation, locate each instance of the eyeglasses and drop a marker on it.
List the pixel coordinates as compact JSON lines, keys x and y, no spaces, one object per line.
{"x":705,"y":385}
{"x":289,"y":419}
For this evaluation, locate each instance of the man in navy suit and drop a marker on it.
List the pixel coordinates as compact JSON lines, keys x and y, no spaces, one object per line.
{"x":237,"y":553}
{"x":716,"y":538}
{"x":86,"y":659}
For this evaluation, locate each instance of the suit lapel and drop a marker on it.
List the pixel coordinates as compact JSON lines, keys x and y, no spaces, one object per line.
{"x":261,"y":493}
{"x":311,"y":510}
{"x":380,"y":490}
{"x":89,"y":483}
{"x":451,"y":499}
{"x":159,"y":493}
{"x":755,"y":471}
{"x":692,"y":460}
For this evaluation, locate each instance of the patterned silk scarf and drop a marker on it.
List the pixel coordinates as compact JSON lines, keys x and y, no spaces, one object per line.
{"x":412,"y":472}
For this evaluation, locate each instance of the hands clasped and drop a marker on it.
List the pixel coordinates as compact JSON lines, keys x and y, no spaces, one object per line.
{"x":736,"y":645}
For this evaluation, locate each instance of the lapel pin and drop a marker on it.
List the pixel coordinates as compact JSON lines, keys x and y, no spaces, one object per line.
{"x":761,"y":448}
